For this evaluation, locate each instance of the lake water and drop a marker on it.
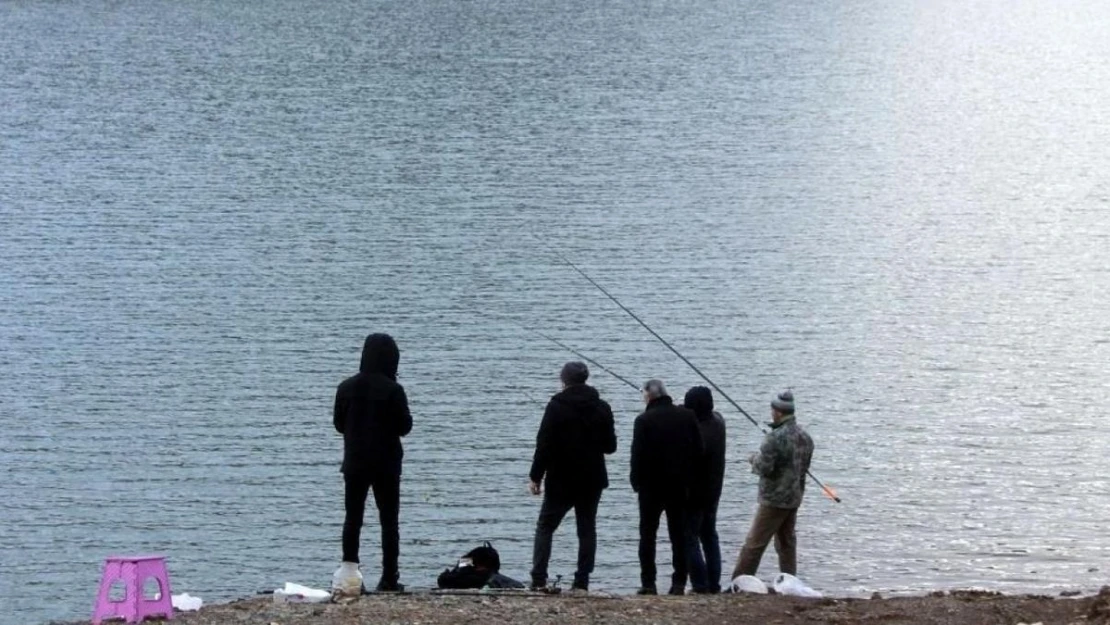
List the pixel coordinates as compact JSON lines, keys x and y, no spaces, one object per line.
{"x":899,"y":209}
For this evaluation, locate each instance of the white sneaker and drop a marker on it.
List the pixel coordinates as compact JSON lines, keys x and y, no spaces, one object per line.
{"x":347,"y":580}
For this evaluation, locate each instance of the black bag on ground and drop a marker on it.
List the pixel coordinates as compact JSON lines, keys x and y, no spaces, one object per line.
{"x":474,"y":570}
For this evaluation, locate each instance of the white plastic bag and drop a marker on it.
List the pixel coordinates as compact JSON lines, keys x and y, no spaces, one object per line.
{"x":295,"y":593}
{"x":347,"y":580}
{"x":186,"y":602}
{"x":787,"y":584}
{"x":749,"y":583}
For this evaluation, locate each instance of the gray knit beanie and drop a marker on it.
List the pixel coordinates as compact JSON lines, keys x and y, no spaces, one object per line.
{"x":574,"y":372}
{"x":784,"y":403}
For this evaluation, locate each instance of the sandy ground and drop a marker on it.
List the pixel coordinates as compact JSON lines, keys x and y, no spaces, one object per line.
{"x":970,"y":607}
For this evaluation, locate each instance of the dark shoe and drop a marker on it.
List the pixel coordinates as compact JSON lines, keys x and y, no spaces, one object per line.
{"x":677,"y":590}
{"x":647,"y":590}
{"x":390,"y":586}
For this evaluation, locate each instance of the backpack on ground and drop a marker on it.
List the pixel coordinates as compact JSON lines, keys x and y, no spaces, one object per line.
{"x":473,"y":570}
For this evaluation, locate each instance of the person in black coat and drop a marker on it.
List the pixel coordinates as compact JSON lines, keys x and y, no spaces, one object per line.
{"x":701,"y":535}
{"x":667,"y":452}
{"x":372,"y":414}
{"x":575,"y":435}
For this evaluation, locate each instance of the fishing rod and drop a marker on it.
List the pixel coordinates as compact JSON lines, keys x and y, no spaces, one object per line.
{"x":830,"y":493}
{"x":560,"y":344}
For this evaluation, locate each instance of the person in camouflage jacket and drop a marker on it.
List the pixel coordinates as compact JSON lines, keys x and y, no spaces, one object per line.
{"x":782,"y":464}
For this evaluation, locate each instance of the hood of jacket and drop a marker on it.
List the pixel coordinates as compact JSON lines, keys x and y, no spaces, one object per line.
{"x":380,"y":355}
{"x":700,"y":400}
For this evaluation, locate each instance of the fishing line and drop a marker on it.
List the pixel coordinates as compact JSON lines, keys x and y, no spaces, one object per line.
{"x":555,"y":341}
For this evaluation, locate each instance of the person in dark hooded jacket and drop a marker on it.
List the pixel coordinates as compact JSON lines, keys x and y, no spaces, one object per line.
{"x":576,"y":433}
{"x":701,"y":527}
{"x":372,"y":414}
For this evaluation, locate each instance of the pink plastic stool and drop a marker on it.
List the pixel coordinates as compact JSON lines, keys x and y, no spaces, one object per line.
{"x":134,"y":571}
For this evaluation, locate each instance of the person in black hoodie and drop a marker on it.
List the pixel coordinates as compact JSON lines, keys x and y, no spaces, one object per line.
{"x":705,"y":572}
{"x":667,"y":452}
{"x":576,"y":433}
{"x":372,"y":414}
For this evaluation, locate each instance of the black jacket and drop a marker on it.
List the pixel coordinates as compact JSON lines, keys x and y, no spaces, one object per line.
{"x":372,"y":412}
{"x":712,"y":426}
{"x":576,"y":433}
{"x":667,"y":450}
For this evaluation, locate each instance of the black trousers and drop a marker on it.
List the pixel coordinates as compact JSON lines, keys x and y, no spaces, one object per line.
{"x":701,"y":537}
{"x":387,"y":496}
{"x":652,"y":505}
{"x":554,"y":509}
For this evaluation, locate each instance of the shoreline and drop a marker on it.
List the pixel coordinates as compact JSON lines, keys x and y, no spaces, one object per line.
{"x":957,"y":606}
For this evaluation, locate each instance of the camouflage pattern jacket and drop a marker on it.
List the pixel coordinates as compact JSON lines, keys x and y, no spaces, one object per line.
{"x":782,"y":463}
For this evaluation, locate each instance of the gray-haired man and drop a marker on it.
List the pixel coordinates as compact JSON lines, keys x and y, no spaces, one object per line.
{"x":667,"y":452}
